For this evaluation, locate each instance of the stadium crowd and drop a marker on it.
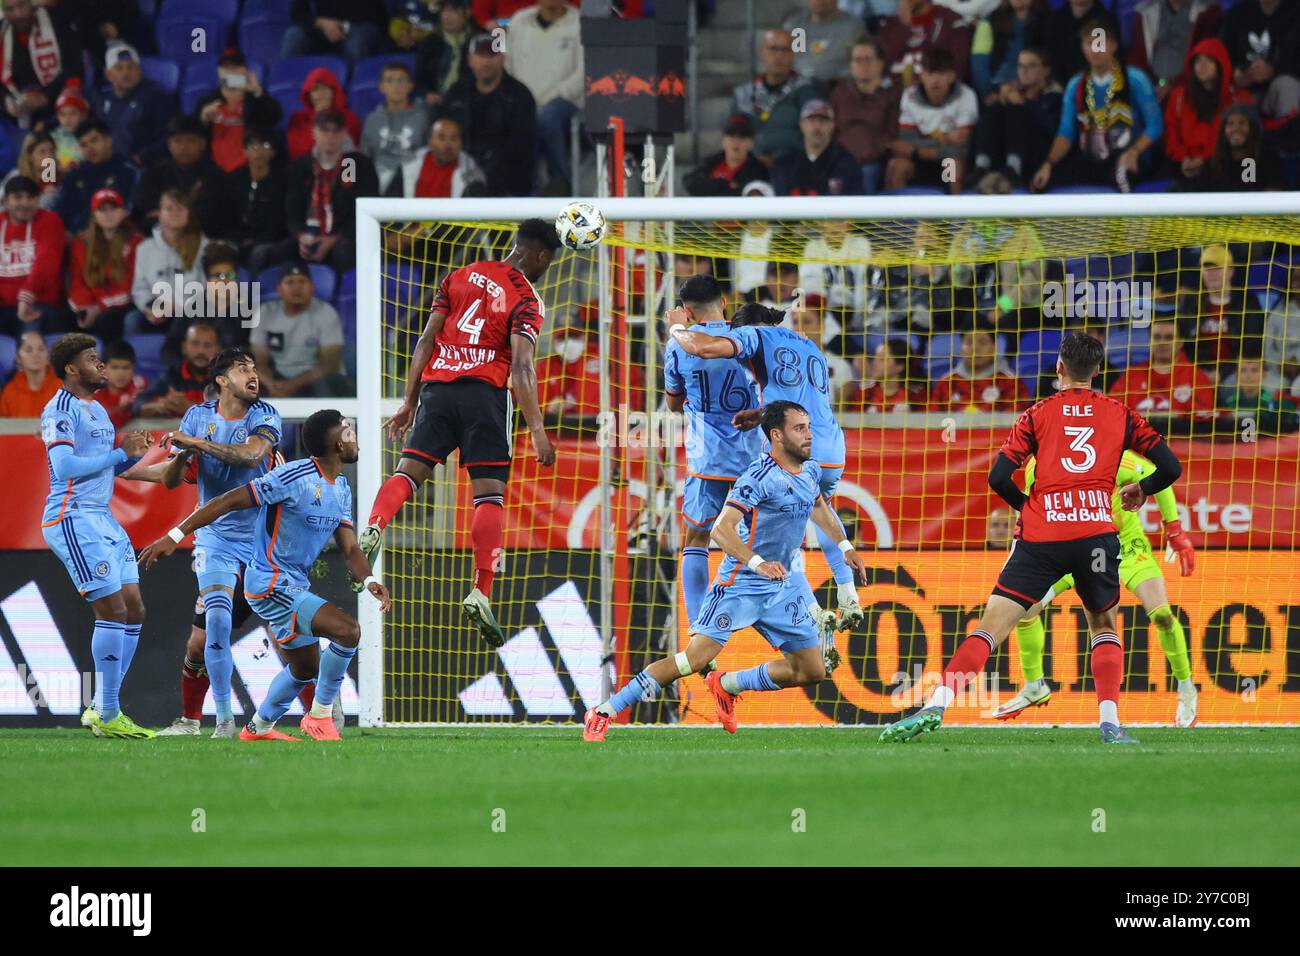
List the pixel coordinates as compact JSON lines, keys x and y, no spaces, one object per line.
{"x":134,"y":160}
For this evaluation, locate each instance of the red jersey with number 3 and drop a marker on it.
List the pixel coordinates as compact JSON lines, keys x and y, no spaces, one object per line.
{"x":486,"y":303}
{"x":1078,"y":437}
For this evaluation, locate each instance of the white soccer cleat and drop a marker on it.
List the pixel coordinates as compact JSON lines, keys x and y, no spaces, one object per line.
{"x":826,"y":627}
{"x":181,"y":727}
{"x":1185,"y":716}
{"x":479,"y":613}
{"x":1029,"y":696}
{"x":225,"y":730}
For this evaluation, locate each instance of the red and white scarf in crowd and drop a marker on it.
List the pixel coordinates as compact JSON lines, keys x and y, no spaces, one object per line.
{"x":42,"y":46}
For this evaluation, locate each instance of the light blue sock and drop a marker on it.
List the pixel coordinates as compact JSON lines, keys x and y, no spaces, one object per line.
{"x":218,"y":611}
{"x":130,"y":639}
{"x":695,"y":579}
{"x":279,"y":696}
{"x":333,"y":668}
{"x":756,"y":678}
{"x":640,"y":685}
{"x":834,"y":557}
{"x":106,"y":647}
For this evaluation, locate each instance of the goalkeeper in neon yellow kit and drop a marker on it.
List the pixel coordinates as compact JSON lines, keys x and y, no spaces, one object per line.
{"x":1140,"y":572}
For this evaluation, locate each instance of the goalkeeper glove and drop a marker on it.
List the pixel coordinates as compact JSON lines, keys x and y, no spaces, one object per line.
{"x":1179,"y":545}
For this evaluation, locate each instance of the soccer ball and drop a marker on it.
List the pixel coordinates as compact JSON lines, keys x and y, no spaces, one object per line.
{"x":580,"y":225}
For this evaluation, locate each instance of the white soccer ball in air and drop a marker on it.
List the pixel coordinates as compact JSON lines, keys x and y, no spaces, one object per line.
{"x":580,"y":225}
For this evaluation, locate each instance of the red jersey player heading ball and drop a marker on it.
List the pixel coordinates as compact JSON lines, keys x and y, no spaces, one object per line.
{"x":476,"y":348}
{"x":1065,"y":527}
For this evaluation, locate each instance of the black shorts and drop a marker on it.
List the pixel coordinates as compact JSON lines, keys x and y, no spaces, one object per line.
{"x":1034,"y":566}
{"x":471,"y":415}
{"x":240,"y":613}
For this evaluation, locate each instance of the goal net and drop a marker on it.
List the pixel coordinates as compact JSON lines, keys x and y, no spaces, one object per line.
{"x":941,"y":318}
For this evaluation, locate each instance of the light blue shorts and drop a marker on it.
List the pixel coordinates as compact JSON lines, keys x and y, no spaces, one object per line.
{"x":215,"y":565}
{"x":96,"y":552}
{"x":702,"y":500}
{"x":289,"y":612}
{"x":776,"y":609}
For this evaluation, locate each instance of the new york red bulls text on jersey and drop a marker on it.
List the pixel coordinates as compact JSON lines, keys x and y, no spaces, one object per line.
{"x":1078,"y":436}
{"x":486,"y":303}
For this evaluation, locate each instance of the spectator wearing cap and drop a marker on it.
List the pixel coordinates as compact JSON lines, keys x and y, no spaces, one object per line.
{"x":168,"y":258}
{"x":136,"y":109}
{"x":412,"y":23}
{"x":31,"y":250}
{"x":101,"y":167}
{"x":38,"y":161}
{"x":1217,"y":313}
{"x":544,"y":51}
{"x":239,"y":102}
{"x":222,"y":306}
{"x":828,"y":33}
{"x":440,"y":57}
{"x":298,"y":341}
{"x":187,"y":168}
{"x":321,"y":197}
{"x":37,"y":56}
{"x":499,"y":119}
{"x":71,"y":110}
{"x":921,"y":26}
{"x":822,"y":167}
{"x":350,"y":28}
{"x":774,"y":98}
{"x":103,"y":267}
{"x":253,"y":202}
{"x":184,"y":379}
{"x":866,"y":109}
{"x":321,"y":92}
{"x":396,"y":129}
{"x":1243,"y":161}
{"x":935,"y":121}
{"x":442,"y":169}
{"x":726,"y":172}
{"x":34,"y":382}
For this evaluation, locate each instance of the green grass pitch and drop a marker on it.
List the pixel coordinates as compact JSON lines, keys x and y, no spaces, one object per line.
{"x":678,"y":796}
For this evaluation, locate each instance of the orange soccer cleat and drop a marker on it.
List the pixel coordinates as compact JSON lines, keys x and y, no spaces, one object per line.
{"x":594,"y":726}
{"x":723,"y":700}
{"x":248,"y":734}
{"x":319,"y":728}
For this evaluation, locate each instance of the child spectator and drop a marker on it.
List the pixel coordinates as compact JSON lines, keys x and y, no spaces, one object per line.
{"x":440,"y":57}
{"x":34,"y":383}
{"x":1020,"y":119}
{"x":321,"y":92}
{"x":38,"y":161}
{"x":779,"y":289}
{"x":31,"y":251}
{"x":1242,"y":160}
{"x":995,"y":50}
{"x":866,"y":110}
{"x":252,"y":202}
{"x":173,"y":250}
{"x":238,"y":103}
{"x":71,"y":110}
{"x":182,"y":383}
{"x":100,"y":168}
{"x":919,"y":27}
{"x":443,"y":170}
{"x":103,"y":268}
{"x":124,"y":386}
{"x":298,"y":341}
{"x":726,"y":172}
{"x":396,"y":129}
{"x":135,"y":109}
{"x":935,"y":121}
{"x":1272,"y":412}
{"x":982,"y":380}
{"x":186,"y":168}
{"x":890,"y":380}
{"x":1193,"y":108}
{"x":1167,"y":384}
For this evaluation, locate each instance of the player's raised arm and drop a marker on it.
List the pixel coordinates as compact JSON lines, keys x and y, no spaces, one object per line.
{"x":169,"y":473}
{"x":345,"y":536}
{"x":247,"y":454}
{"x":824,"y":518}
{"x":697,"y":343}
{"x":420,"y":357}
{"x":726,"y":535}
{"x":233,"y":500}
{"x":523,"y":380}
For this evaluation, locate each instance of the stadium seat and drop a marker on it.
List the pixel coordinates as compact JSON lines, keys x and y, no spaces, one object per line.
{"x":945,"y":350}
{"x":288,"y":74}
{"x":226,"y":11}
{"x":1085,"y":189}
{"x":165,"y":73}
{"x":915,"y":191}
{"x":175,"y":38}
{"x":148,"y":354}
{"x":1153,"y":186}
{"x":1037,"y":352}
{"x":1126,"y":345}
{"x":348,"y":284}
{"x":324,"y":279}
{"x":362,"y":100}
{"x":275,"y":9}
{"x":261,"y":38}
{"x":290,"y":102}
{"x":347,"y":309}
{"x":367,"y":71}
{"x":8,"y":356}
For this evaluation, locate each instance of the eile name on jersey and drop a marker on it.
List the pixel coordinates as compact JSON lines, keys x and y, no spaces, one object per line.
{"x":453,"y":358}
{"x":1093,"y":506}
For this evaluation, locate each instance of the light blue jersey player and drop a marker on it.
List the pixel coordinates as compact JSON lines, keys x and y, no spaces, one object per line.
{"x":761,"y":529}
{"x":786,"y":366}
{"x":299,"y":507}
{"x":79,"y":527}
{"x":711,"y":393}
{"x":233,"y":440}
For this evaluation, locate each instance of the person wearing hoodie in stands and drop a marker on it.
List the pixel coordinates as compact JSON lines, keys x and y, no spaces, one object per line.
{"x":321,"y":91}
{"x":1193,"y":108}
{"x":135,"y":109}
{"x":1163,"y":32}
{"x":396,"y":128}
{"x":31,"y":261}
{"x":175,"y":249}
{"x":238,"y":104}
{"x":100,"y":168}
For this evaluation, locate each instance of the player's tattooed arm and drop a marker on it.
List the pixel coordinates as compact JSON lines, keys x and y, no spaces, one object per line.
{"x":405,"y":414}
{"x":725,"y":533}
{"x":523,"y":379}
{"x":693,"y":342}
{"x":824,"y":518}
{"x":234,"y":500}
{"x":245,"y":455}
{"x":346,"y":538}
{"x":169,"y":473}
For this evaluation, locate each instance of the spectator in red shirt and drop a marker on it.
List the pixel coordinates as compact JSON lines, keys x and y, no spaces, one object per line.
{"x":321,"y":91}
{"x":727,"y":172}
{"x":443,"y":170}
{"x":34,"y":382}
{"x":124,"y":386}
{"x":182,"y":384}
{"x":31,"y":260}
{"x":1216,"y":315}
{"x":237,"y":105}
{"x":1194,"y":107}
{"x":103,"y":267}
{"x":1167,"y":384}
{"x":921,"y":26}
{"x":981,"y":381}
{"x":568,"y":380}
{"x":891,"y":381}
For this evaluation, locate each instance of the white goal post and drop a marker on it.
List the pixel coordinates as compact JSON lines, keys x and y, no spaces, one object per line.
{"x":370,"y":408}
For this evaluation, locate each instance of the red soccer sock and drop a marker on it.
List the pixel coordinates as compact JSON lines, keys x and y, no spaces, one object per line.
{"x":972,"y":654}
{"x":308,"y":696}
{"x":194,"y":687}
{"x":487,"y":534}
{"x":1107,"y":665}
{"x":394,"y":493}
